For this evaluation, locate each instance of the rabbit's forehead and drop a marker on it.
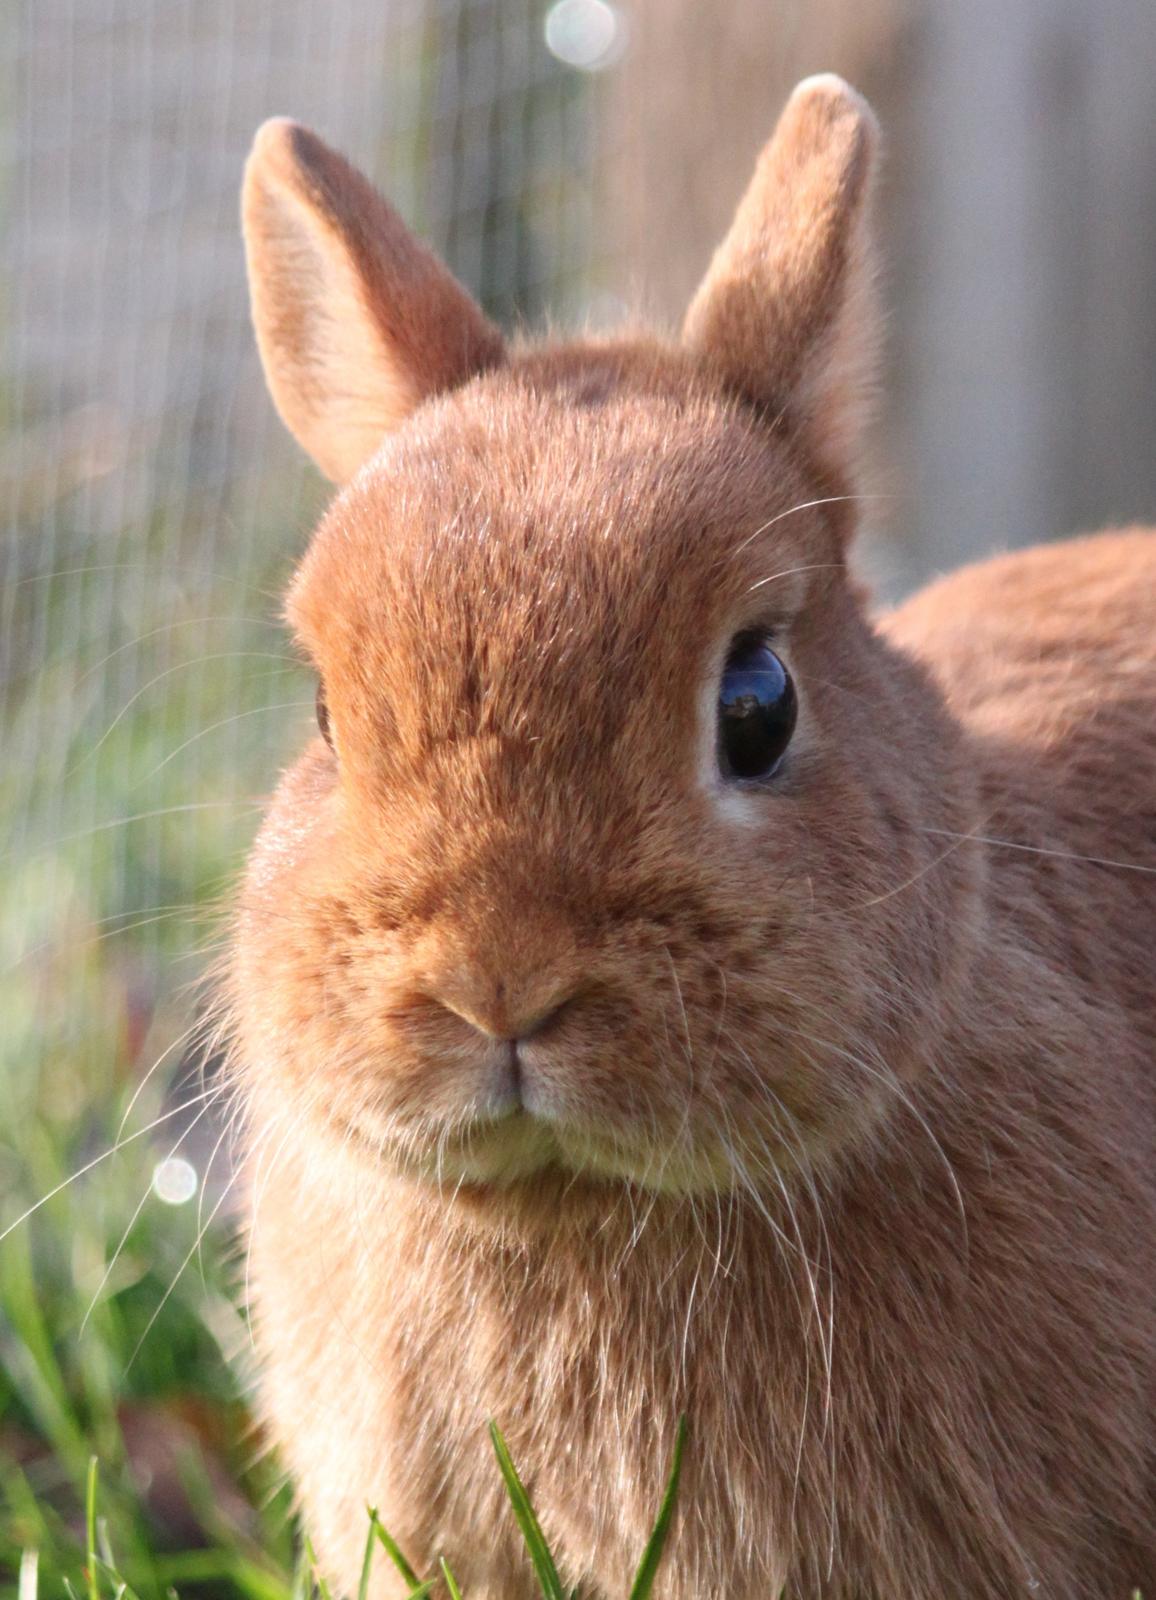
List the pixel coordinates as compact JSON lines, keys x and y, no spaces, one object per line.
{"x":548,"y":584}
{"x":521,"y":517}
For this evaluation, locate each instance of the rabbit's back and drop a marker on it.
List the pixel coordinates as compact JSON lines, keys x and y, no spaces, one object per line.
{"x":1048,"y":658}
{"x":1034,"y":645}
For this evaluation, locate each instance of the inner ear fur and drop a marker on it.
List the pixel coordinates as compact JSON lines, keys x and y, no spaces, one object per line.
{"x":786,"y":311}
{"x":357,"y":322}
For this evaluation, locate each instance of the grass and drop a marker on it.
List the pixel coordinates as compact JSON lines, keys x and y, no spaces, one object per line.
{"x":118,"y":1337}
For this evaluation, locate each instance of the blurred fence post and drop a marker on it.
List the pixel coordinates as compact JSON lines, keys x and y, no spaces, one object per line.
{"x":1018,"y":231}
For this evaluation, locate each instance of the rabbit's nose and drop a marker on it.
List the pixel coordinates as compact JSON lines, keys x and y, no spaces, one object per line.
{"x":501,"y":1010}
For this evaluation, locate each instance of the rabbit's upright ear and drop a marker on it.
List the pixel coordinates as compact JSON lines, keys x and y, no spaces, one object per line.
{"x":357,"y":322}
{"x":785,"y":311}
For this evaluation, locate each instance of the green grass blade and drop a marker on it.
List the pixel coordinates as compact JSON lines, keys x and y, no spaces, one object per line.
{"x":451,"y":1581}
{"x":652,"y":1555}
{"x":540,"y":1555}
{"x":393,"y":1551}
{"x":213,"y":1568}
{"x":90,"y":1531}
{"x":322,"y":1587}
{"x":302,"y":1587}
{"x":367,"y":1558}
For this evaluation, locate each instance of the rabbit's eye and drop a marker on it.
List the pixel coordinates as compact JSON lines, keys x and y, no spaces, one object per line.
{"x":756,"y":710}
{"x":323,"y":715}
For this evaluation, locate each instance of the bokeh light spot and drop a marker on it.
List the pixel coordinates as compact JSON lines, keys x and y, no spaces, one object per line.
{"x":588,"y":34}
{"x":174,"y":1181}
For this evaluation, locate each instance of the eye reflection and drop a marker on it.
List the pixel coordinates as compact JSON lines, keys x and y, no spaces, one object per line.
{"x":757,"y":709}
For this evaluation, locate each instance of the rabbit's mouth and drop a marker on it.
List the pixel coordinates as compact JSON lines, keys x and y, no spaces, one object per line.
{"x":504,"y":1151}
{"x":502,"y":1113}
{"x":479,"y":1150}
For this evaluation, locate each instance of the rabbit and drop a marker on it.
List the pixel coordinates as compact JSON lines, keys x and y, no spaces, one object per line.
{"x":663,"y":987}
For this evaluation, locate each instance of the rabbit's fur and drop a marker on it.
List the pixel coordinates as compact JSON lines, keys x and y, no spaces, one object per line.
{"x":837,"y":1131}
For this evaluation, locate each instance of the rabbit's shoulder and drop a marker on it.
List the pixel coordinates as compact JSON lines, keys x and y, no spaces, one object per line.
{"x":1031,"y":645}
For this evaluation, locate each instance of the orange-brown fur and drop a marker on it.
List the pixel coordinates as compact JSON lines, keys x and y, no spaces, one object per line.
{"x":841,"y":1141}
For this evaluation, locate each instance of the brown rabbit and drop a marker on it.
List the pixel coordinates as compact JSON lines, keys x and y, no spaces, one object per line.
{"x":663,"y":988}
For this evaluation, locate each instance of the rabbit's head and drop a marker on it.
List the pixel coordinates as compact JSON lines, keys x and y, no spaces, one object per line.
{"x":613,"y":856}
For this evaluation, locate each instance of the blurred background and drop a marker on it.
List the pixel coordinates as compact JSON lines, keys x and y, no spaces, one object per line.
{"x":575,"y":161}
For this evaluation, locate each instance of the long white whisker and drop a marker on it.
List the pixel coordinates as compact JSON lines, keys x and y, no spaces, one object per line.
{"x":805,"y":1316}
{"x":179,"y":666}
{"x":194,"y":1247}
{"x":790,"y":572}
{"x":806,"y":505}
{"x":127,"y":925}
{"x":930,"y":866}
{"x":168,"y":627}
{"x":1042,"y":850}
{"x":890,"y":1080}
{"x":253,"y":711}
{"x":121,"y":1144}
{"x":141,"y":566}
{"x":221,"y":1137}
{"x":141,"y":1203}
{"x":142,"y":1085}
{"x":123,"y":822}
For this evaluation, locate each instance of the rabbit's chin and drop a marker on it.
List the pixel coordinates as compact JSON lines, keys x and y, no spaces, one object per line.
{"x":507,"y":1151}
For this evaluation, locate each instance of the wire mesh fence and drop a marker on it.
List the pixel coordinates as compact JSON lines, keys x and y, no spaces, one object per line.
{"x":152,"y":505}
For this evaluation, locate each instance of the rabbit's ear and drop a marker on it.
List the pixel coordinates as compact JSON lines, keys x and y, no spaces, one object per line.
{"x":785,"y":311}
{"x":357,"y":322}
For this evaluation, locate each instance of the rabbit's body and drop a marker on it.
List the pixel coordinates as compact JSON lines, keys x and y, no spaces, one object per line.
{"x":596,"y":1073}
{"x":968,"y":1415}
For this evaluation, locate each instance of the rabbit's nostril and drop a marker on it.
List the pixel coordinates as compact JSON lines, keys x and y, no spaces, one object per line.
{"x":543,"y":1021}
{"x":500,"y":1017}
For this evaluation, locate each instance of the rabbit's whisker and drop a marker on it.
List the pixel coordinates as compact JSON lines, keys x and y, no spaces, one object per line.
{"x":808,"y":1315}
{"x":87,"y":937}
{"x":185,"y":808}
{"x":225,"y":722}
{"x":174,"y":1045}
{"x":806,"y":505}
{"x":1042,"y":850}
{"x":143,"y":566}
{"x":96,"y":1161}
{"x":930,"y":866}
{"x":168,"y":672}
{"x":169,"y":627}
{"x":221,"y":1139}
{"x":140,"y":1205}
{"x":194,"y":1248}
{"x":791,"y":572}
{"x":889,"y":1079}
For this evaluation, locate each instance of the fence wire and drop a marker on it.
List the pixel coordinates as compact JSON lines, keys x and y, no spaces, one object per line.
{"x":152,"y":505}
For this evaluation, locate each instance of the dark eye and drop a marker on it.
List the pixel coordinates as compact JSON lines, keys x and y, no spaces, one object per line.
{"x":756,"y":711}
{"x":323,"y":715}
